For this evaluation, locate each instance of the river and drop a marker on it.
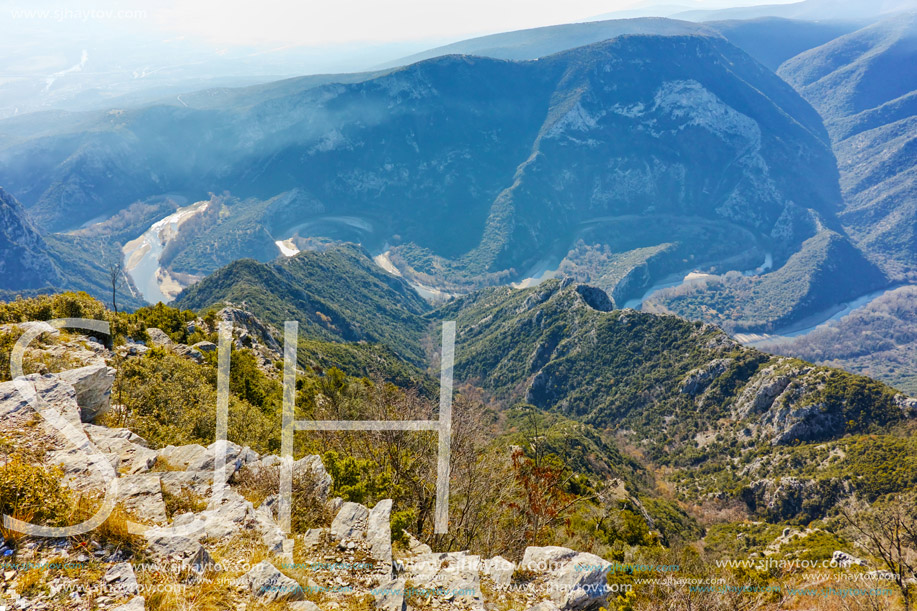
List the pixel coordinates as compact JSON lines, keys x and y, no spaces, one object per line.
{"x":142,"y":255}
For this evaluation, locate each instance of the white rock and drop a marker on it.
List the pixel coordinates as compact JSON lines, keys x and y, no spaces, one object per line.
{"x":162,"y":545}
{"x":390,"y":596}
{"x":121,"y":578}
{"x":269,"y":584}
{"x":350,"y":522}
{"x":844,"y":560}
{"x":93,"y":389}
{"x":141,"y":496}
{"x":132,"y":449}
{"x":180,"y":457}
{"x":235,"y":457}
{"x":49,"y":392}
{"x":379,"y":533}
{"x":137,"y":603}
{"x":576,"y":580}
{"x":499,"y":570}
{"x":416,"y":547}
{"x":158,"y":337}
{"x":457,"y":573}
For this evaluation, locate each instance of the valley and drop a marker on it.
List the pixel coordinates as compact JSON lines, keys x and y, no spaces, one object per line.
{"x":142,"y":255}
{"x":678,"y":255}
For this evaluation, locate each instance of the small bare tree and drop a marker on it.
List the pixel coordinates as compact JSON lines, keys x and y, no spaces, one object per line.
{"x":888,"y":530}
{"x":116,"y":276}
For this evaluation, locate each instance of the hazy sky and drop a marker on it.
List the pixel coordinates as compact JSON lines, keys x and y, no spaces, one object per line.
{"x":320,"y":22}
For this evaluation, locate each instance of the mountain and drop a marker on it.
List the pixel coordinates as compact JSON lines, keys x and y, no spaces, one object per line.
{"x":337,"y":294}
{"x":468,"y":171}
{"x":561,"y":347}
{"x":770,"y":40}
{"x":864,"y":86}
{"x":878,"y":340}
{"x":533,"y":43}
{"x":773,"y":40}
{"x":807,"y":9}
{"x":827,"y":270}
{"x":24,"y":260}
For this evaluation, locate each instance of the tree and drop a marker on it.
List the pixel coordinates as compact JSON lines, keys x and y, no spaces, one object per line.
{"x":116,"y":276}
{"x":888,"y":530}
{"x":543,"y":479}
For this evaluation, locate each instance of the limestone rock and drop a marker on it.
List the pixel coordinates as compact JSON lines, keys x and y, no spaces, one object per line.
{"x":390,"y":596}
{"x":162,"y":545}
{"x":416,"y":547}
{"x":93,"y":389}
{"x":141,"y":496}
{"x":135,"y":456}
{"x":137,"y":603}
{"x":158,"y":337}
{"x":269,"y":584}
{"x":121,"y":578}
{"x":379,"y":532}
{"x":499,"y":570}
{"x":180,"y":457}
{"x":698,"y":380}
{"x":845,"y":560}
{"x":204,"y":347}
{"x":350,"y":522}
{"x":236,"y":457}
{"x":50,"y":393}
{"x":457,"y":574}
{"x":577,"y":579}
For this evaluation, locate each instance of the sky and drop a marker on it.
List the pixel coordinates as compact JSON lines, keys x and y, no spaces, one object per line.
{"x":320,"y":22}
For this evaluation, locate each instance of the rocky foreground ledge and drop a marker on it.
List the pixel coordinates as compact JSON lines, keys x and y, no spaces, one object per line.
{"x":226,"y":547}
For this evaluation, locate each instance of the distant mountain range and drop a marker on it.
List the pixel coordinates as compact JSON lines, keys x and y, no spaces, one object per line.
{"x":24,"y":260}
{"x":865,"y":86}
{"x":625,"y":163}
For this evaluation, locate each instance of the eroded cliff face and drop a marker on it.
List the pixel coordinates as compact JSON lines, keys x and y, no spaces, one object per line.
{"x":24,"y":261}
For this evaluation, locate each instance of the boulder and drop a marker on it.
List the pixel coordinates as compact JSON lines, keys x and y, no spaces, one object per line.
{"x":302,"y":605}
{"x":179,"y":457}
{"x":379,"y":533}
{"x":121,"y":579}
{"x":141,"y":496}
{"x":499,"y":570}
{"x":204,"y":347}
{"x":270,"y":585}
{"x":575,"y":580}
{"x":163,"y":546}
{"x":82,"y":472}
{"x":545,"y":605}
{"x":845,"y":560}
{"x":455,"y":574}
{"x":177,"y":483}
{"x":907,"y":405}
{"x":137,"y":603}
{"x":312,"y":538}
{"x":350,"y":522}
{"x":158,"y":337}
{"x":390,"y":596}
{"x":135,"y":457}
{"x":236,"y":457}
{"x":416,"y":547}
{"x":50,"y":393}
{"x":93,"y":389}
{"x":188,"y":352}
